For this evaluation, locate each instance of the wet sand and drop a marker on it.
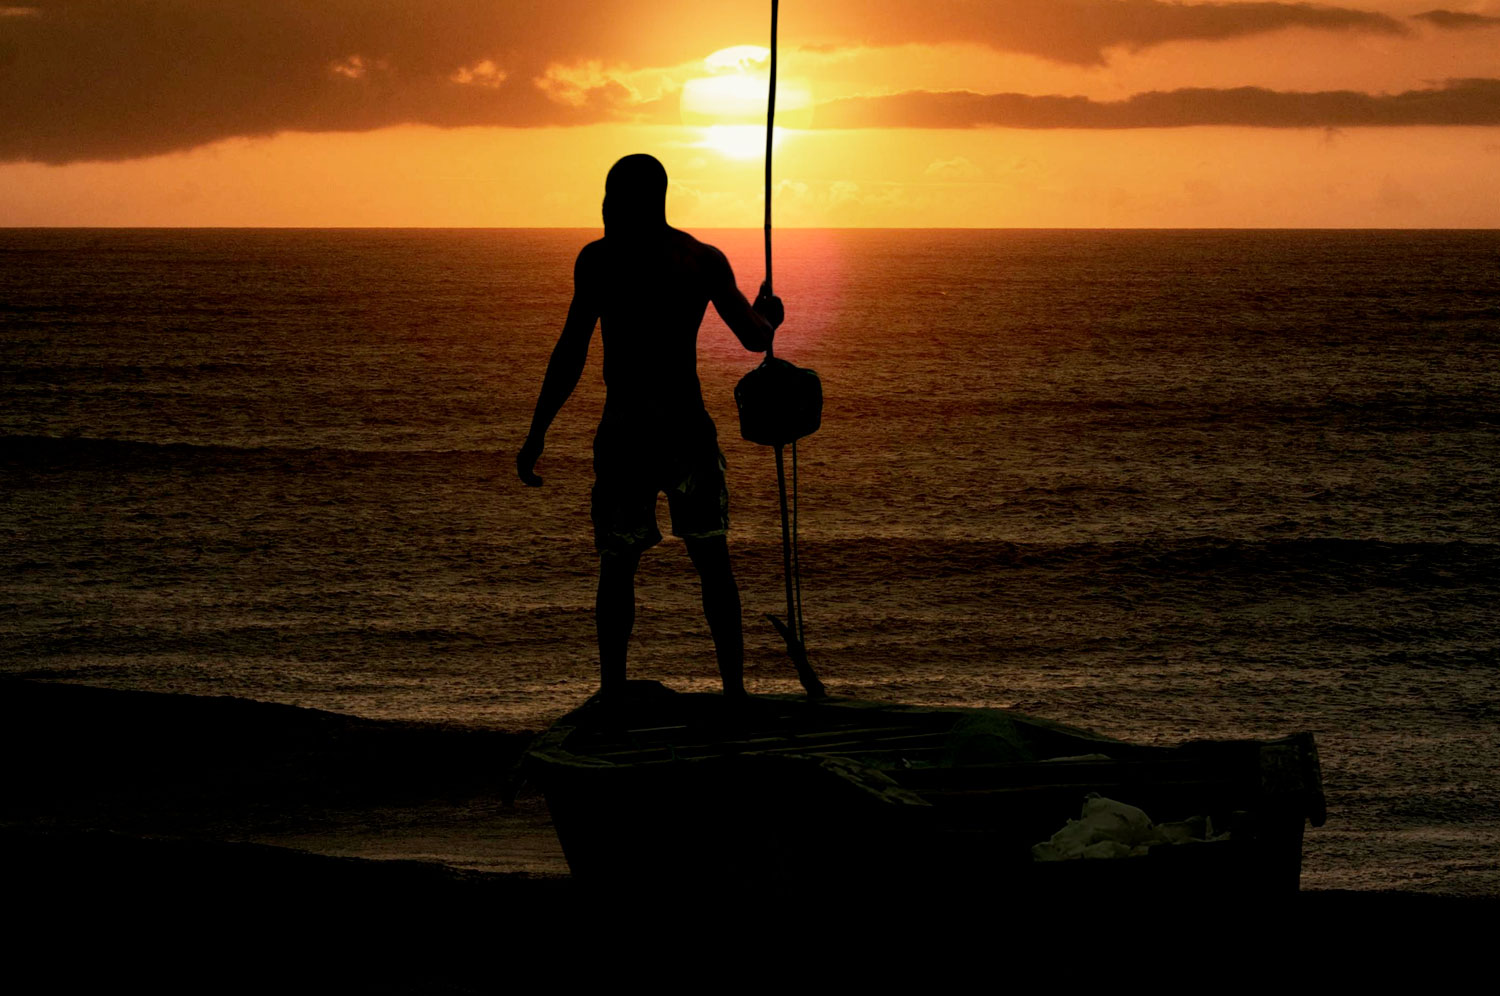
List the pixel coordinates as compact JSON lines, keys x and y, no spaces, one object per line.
{"x":209,"y":844}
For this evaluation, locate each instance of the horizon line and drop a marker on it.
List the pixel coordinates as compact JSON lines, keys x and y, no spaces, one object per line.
{"x":758,"y":228}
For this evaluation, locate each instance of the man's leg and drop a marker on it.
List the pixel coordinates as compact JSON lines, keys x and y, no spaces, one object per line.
{"x":614,"y":617}
{"x":721,"y":604}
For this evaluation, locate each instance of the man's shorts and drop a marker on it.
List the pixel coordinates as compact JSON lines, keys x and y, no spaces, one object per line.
{"x":626,"y":486}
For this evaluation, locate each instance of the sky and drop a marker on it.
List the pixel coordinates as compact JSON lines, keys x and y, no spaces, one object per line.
{"x":931,"y":113}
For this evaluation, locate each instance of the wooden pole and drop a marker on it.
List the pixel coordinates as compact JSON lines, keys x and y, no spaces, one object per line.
{"x":770,"y":136}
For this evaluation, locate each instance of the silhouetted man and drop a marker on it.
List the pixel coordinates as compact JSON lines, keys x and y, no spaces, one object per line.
{"x":647,"y":285}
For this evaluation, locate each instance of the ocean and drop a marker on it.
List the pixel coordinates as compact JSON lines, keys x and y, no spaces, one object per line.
{"x":1161,"y":484}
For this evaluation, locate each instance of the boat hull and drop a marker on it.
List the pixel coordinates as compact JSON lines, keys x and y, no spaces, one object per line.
{"x":682,"y":793}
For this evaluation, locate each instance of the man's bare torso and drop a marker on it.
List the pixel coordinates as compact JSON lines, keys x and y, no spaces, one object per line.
{"x":651,"y":294}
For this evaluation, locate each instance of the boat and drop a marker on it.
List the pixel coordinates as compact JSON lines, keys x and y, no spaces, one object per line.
{"x":667,"y":792}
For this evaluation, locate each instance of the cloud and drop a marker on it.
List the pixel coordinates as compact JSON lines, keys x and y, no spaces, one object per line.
{"x":1456,"y":20}
{"x":482,"y":73}
{"x":1076,"y":31}
{"x":1456,"y":102}
{"x":118,"y":79}
{"x":353,"y":67}
{"x":959,"y":168}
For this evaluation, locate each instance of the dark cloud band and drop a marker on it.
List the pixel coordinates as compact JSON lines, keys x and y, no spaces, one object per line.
{"x":120,"y":79}
{"x":1456,"y":102}
{"x":1081,"y":32}
{"x":1455,"y":20}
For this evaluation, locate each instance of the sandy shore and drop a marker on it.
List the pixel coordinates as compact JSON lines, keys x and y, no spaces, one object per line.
{"x":164,"y":837}
{"x":223,"y":769}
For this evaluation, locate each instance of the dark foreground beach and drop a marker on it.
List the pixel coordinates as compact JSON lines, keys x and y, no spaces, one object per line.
{"x":212,"y":844}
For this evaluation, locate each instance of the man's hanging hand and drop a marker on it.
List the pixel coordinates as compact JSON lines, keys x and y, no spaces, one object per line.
{"x":526,"y":459}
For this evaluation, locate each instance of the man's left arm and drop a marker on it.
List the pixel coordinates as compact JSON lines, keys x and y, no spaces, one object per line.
{"x":753,"y":324}
{"x":564,"y":370}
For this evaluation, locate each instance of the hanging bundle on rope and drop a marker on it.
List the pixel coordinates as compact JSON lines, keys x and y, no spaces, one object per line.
{"x":779,"y":403}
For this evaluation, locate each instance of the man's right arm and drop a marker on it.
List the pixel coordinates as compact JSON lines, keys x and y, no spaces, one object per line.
{"x":564,"y":368}
{"x":754,"y":325}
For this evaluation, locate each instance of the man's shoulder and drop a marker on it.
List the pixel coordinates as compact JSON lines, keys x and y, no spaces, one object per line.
{"x":590,"y":263}
{"x":699,"y":251}
{"x":591,"y":252}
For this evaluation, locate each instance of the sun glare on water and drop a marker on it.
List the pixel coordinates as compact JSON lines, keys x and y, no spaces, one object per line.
{"x":728,"y":107}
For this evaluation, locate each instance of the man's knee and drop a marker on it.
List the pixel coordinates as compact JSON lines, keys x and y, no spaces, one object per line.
{"x":710,"y":554}
{"x":714,"y":573}
{"x":616,"y":560}
{"x":618,"y":568}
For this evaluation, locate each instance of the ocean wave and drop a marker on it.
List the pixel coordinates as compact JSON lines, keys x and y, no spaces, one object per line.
{"x":1248,"y":408}
{"x":99,"y":374}
{"x":46,"y":450}
{"x":1438,"y":562}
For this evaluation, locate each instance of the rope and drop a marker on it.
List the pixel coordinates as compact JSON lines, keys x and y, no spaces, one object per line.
{"x":786,"y":544}
{"x":796,"y":559}
{"x":791,"y":562}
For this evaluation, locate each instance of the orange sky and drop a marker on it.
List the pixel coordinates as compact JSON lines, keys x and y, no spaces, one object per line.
{"x":939,"y":113}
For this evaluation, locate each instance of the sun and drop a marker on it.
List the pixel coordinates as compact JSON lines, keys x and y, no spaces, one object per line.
{"x":728,"y":107}
{"x":738,"y":141}
{"x":737,"y":58}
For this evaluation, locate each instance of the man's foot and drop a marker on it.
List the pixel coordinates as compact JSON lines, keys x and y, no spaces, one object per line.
{"x":736,"y":718}
{"x":738,"y":702}
{"x":610,"y":696}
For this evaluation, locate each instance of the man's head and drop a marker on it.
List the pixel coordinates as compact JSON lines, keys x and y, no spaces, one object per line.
{"x":635,"y":196}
